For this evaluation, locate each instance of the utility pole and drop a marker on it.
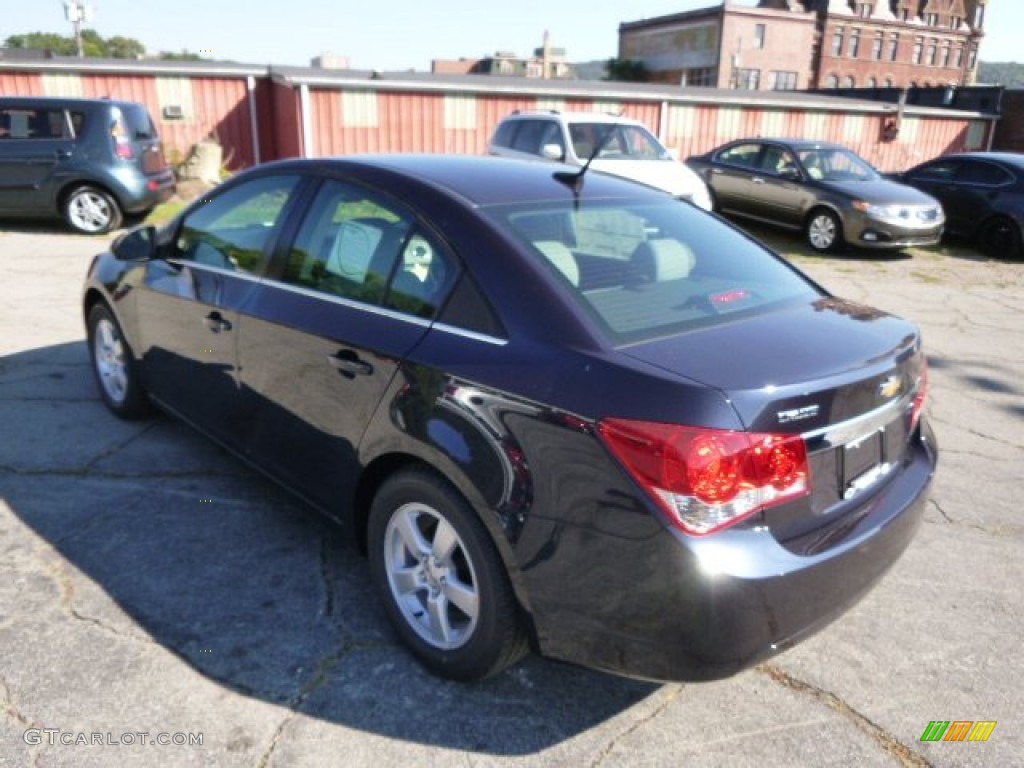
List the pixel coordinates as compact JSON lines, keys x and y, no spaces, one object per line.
{"x":76,"y":11}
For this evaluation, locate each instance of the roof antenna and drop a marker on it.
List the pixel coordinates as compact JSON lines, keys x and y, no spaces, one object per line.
{"x":574,"y":179}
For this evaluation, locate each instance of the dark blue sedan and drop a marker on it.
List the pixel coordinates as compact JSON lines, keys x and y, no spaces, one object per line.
{"x":557,"y":411}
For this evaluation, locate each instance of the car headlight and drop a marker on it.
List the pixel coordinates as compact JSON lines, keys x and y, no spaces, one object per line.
{"x":879,"y":211}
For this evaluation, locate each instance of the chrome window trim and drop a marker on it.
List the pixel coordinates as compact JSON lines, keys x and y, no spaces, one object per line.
{"x":835,"y":435}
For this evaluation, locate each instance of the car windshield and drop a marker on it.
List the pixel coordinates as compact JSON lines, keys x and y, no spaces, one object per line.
{"x":651,"y":269}
{"x":835,"y":164}
{"x":627,"y":142}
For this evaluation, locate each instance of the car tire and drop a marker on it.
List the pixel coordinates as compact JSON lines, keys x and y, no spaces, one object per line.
{"x":91,"y":211}
{"x":441,"y":579}
{"x":114,"y":366}
{"x":824,"y":231}
{"x":1001,"y":238}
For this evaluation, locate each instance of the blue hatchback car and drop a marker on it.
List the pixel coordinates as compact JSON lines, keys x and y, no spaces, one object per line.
{"x":89,"y":161}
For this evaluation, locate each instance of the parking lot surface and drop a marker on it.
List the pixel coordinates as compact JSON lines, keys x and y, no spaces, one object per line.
{"x":154,"y":589}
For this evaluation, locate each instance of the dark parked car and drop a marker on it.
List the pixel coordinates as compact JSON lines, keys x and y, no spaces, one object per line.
{"x":89,"y":161}
{"x":824,"y":190}
{"x":578,"y":415}
{"x":983,"y":194}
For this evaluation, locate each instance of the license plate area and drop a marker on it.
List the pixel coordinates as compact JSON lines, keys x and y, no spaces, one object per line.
{"x":862,"y":463}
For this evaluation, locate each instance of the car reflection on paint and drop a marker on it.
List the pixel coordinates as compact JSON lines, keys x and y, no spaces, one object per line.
{"x":557,"y":412}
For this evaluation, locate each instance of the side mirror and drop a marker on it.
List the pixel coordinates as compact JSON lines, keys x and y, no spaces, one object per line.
{"x":136,"y":245}
{"x":672,"y":153}
{"x":552,"y":152}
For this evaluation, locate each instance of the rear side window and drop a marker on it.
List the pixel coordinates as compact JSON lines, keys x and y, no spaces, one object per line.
{"x":34,"y":123}
{"x":650,"y":269}
{"x":357,"y":245}
{"x":984,"y":173}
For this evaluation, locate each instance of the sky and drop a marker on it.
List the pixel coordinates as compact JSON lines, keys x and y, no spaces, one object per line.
{"x":394,"y":34}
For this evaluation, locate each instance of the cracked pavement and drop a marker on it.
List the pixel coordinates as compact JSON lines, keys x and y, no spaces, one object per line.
{"x":149,"y":583}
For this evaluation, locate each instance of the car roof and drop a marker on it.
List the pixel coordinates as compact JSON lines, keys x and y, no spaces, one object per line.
{"x":482,"y":180}
{"x":1016,"y":159}
{"x":573,"y":116}
{"x":793,"y":143}
{"x":66,"y":101}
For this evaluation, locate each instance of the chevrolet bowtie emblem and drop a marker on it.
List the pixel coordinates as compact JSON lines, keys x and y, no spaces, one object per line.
{"x":890,"y":386}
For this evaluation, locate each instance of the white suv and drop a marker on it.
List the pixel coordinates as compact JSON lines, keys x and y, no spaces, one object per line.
{"x":632,"y":152}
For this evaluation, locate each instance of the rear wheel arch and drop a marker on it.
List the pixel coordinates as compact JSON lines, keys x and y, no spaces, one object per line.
{"x":385,"y":466}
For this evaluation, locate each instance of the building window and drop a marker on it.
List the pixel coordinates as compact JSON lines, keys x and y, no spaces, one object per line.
{"x":972,"y":58}
{"x":888,"y":82}
{"x":894,"y":47}
{"x":784,"y":81}
{"x":699,"y":76}
{"x":945,"y":54}
{"x":979,"y":17}
{"x":931,"y":53}
{"x":831,"y":81}
{"x":872,"y":82}
{"x":759,"y":30}
{"x":837,"y":42}
{"x":958,"y":57}
{"x":865,"y":10}
{"x":876,"y":48}
{"x":955,"y":22}
{"x":931,"y":19}
{"x":918,"y":47}
{"x":854,"y":46}
{"x":748,"y":79}
{"x":849,"y":82}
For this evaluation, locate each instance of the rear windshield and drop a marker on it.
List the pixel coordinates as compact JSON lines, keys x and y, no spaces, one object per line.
{"x":140,"y":125}
{"x":651,"y":269}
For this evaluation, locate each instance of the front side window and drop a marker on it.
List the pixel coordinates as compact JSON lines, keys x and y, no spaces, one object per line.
{"x":528,"y":137}
{"x":358,"y":245}
{"x":835,"y":164}
{"x":232,"y":230}
{"x":647,"y":269}
{"x":626,"y":142}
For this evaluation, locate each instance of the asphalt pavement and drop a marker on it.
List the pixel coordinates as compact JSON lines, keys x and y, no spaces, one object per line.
{"x":154,"y":589}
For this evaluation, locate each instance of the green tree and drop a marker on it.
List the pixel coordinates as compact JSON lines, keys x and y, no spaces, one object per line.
{"x":625,"y":70}
{"x":93,"y":45}
{"x":119,"y":47}
{"x":46,"y":41}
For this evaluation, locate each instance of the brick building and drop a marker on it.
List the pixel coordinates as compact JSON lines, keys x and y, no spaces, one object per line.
{"x":790,"y":44}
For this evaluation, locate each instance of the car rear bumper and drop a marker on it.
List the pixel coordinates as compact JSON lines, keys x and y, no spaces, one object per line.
{"x":138,"y":193}
{"x":684,"y":608}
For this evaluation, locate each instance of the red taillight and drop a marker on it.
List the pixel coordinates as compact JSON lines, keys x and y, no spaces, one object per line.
{"x":920,"y":396}
{"x":708,"y":479}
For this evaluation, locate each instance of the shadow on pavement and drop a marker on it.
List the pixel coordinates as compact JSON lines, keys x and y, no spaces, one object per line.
{"x":205,"y":558}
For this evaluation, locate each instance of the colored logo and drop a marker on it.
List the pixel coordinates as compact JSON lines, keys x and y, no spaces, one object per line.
{"x":958,"y":730}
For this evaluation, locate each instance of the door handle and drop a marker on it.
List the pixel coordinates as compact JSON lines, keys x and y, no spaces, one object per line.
{"x":349,"y":364}
{"x":757,"y":180}
{"x":216,"y":322}
{"x":62,"y":154}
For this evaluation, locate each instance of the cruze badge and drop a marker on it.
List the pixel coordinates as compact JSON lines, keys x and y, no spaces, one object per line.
{"x":798,"y":414}
{"x":890,"y":387}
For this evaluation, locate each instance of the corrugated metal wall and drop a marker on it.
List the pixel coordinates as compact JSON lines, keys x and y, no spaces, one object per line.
{"x":209,"y":106}
{"x":348,"y":116}
{"x":347,"y":121}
